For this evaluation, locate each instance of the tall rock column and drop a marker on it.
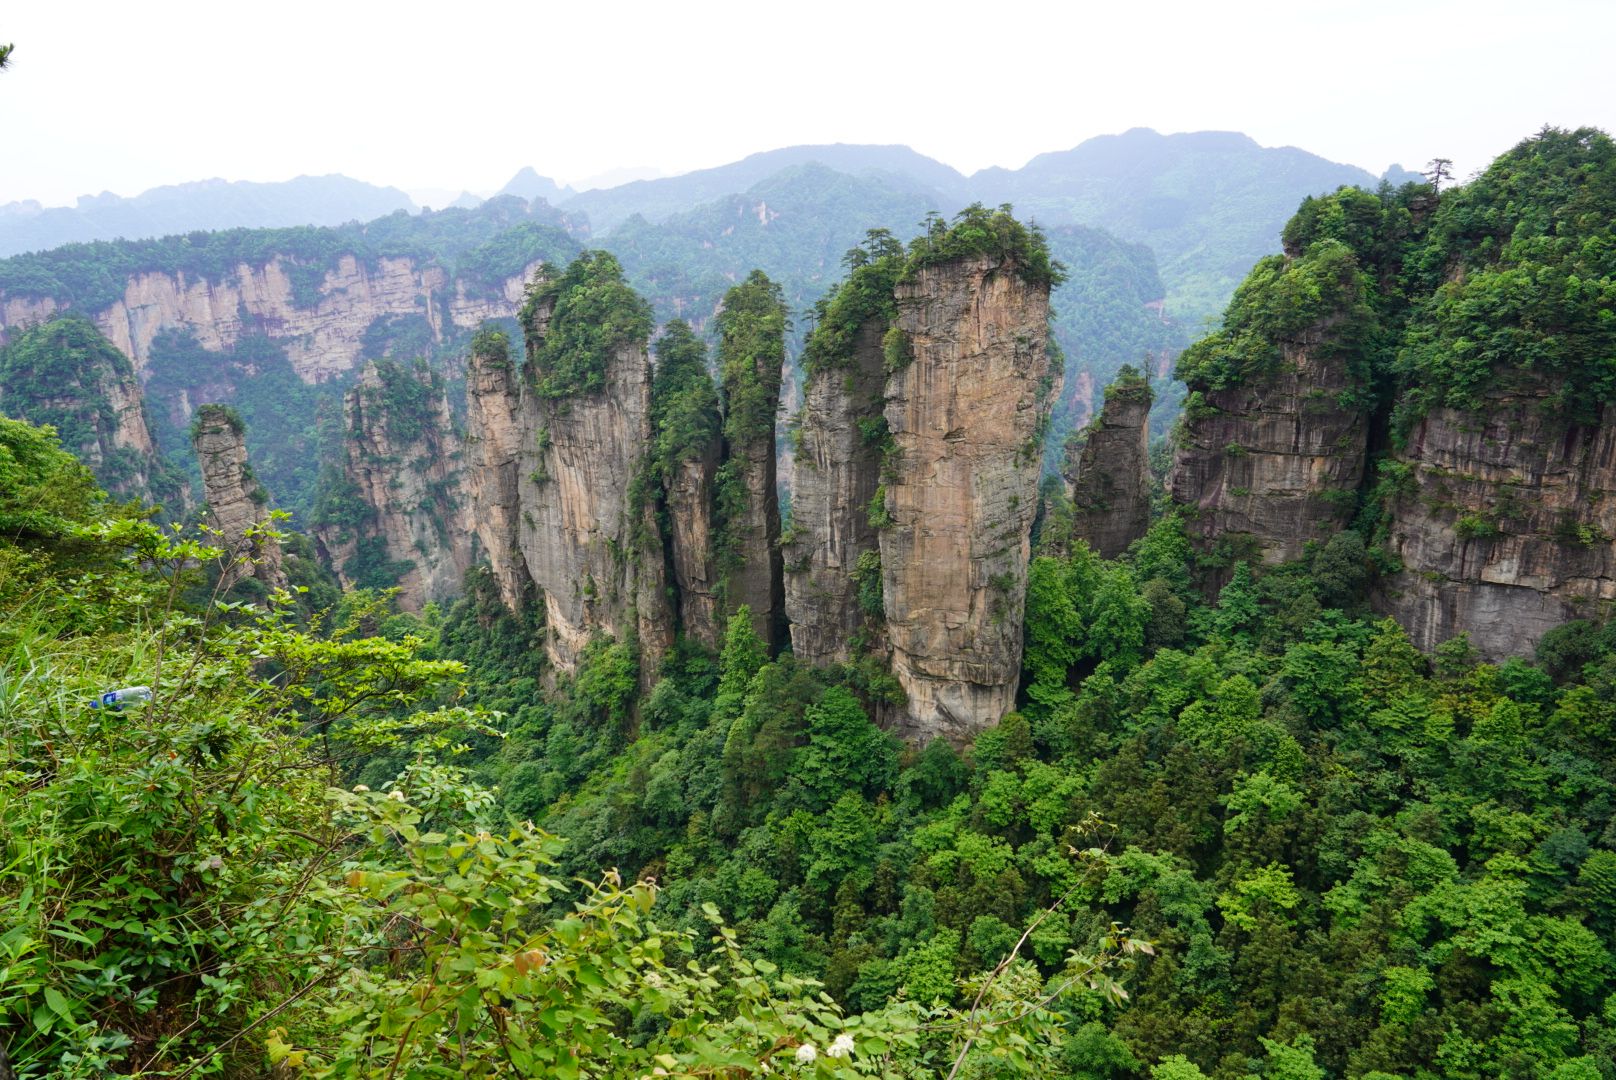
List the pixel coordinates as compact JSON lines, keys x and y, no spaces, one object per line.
{"x":751,"y":359}
{"x":1110,"y":478}
{"x":493,"y":438}
{"x":237,"y":503}
{"x":966,"y":413}
{"x":588,"y":530}
{"x":686,"y":448}
{"x":395,"y":509}
{"x":837,"y":469}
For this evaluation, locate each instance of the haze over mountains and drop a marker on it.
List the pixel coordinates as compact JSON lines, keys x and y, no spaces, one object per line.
{"x":1140,"y":185}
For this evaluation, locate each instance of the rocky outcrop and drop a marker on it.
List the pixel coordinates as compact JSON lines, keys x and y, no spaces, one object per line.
{"x":396,"y":509}
{"x":237,"y":504}
{"x":588,"y":531}
{"x":66,"y":374}
{"x":751,"y":360}
{"x":689,"y":494}
{"x":494,"y":445}
{"x":966,"y":415}
{"x":837,"y":472}
{"x":1264,"y":466}
{"x":1504,"y":520}
{"x":1110,"y":471}
{"x":322,"y":325}
{"x":687,"y":447}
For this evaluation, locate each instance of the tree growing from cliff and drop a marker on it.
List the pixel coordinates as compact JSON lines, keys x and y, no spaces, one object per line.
{"x":684,"y":402}
{"x":592,"y":314}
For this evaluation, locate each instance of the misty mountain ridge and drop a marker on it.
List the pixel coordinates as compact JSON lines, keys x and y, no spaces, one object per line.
{"x":209,"y":205}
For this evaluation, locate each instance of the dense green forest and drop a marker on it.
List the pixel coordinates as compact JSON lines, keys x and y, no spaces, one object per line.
{"x":1249,"y":833}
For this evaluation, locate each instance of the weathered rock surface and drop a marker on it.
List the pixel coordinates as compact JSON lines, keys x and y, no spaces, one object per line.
{"x":237,"y":503}
{"x":1505,"y":522}
{"x":1268,"y":465}
{"x":966,"y":416}
{"x":320,"y":341}
{"x":690,"y":524}
{"x":402,"y":478}
{"x":1110,"y":478}
{"x":494,"y":444}
{"x":837,"y":469}
{"x":591,"y":550}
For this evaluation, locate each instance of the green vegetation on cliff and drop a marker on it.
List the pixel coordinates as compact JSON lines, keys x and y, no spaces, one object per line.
{"x":684,"y":401}
{"x":873,"y":268}
{"x":1521,"y":268}
{"x":1439,"y":301}
{"x":978,"y":232}
{"x":592,"y":313}
{"x":65,"y":373}
{"x":751,"y":357}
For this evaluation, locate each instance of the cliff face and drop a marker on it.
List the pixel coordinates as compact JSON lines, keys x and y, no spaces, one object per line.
{"x":1505,"y":522}
{"x":321,"y":339}
{"x":588,"y":533}
{"x":401,"y":481}
{"x":1271,"y":463}
{"x":236,"y":502}
{"x":837,"y":471}
{"x":751,"y":357}
{"x":686,"y":452}
{"x":690,"y":493}
{"x":966,"y":416}
{"x":1110,"y":478}
{"x":66,"y":374}
{"x":494,"y":446}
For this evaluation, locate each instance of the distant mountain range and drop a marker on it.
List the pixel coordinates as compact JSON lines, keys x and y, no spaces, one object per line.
{"x":207,"y":205}
{"x":1207,"y":203}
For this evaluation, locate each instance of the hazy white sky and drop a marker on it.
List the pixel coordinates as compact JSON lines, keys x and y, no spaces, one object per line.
{"x":122,"y":97}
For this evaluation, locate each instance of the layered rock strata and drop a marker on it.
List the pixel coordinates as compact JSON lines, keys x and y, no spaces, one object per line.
{"x":1269,"y":464}
{"x":403,"y":485}
{"x":1504,"y":521}
{"x":588,"y":534}
{"x":966,"y":415}
{"x":323,"y":334}
{"x":1110,"y":475}
{"x":237,"y":504}
{"x":837,"y":470}
{"x":689,"y":494}
{"x":494,"y":448}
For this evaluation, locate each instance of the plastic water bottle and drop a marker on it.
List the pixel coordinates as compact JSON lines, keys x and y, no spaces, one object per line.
{"x":117,"y":700}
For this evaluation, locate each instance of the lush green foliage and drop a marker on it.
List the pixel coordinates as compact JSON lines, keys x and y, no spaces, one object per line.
{"x":978,"y":232}
{"x":1353,"y":861}
{"x":280,"y":410}
{"x":751,"y":357}
{"x":592,"y":313}
{"x":866,"y":294}
{"x":64,"y":373}
{"x":684,"y":402}
{"x":1506,"y":282}
{"x":1522,"y":264}
{"x":190,"y":885}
